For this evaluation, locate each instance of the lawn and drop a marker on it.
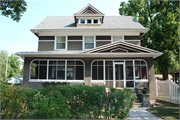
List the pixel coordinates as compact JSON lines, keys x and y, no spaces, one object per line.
{"x":166,"y":111}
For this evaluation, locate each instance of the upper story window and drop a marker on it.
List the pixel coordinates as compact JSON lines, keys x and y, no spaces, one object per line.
{"x":117,"y":38}
{"x":95,"y":21}
{"x":82,"y":21}
{"x":89,"y":21}
{"x":61,"y":42}
{"x":88,"y":42}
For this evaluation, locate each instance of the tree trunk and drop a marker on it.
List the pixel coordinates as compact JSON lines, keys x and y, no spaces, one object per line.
{"x":165,"y":73}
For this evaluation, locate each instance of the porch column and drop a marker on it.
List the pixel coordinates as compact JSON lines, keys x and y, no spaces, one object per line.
{"x":151,"y":78}
{"x":87,"y":71}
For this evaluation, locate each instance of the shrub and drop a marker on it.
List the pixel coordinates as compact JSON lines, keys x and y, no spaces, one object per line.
{"x":65,"y":102}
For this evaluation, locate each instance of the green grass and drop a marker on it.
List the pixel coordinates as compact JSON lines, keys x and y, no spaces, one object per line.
{"x":166,"y":111}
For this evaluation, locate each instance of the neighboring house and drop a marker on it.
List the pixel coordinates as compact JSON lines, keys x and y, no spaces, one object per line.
{"x":90,"y":48}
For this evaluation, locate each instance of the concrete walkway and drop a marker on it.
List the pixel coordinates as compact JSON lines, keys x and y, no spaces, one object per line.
{"x":141,"y":114}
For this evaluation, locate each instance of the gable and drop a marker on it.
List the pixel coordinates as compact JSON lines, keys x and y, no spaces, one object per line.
{"x":121,"y":47}
{"x":89,"y":9}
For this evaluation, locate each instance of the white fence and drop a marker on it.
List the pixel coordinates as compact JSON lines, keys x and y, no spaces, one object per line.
{"x":167,"y":91}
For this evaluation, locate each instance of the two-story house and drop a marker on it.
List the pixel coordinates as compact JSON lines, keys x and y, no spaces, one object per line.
{"x":90,"y":48}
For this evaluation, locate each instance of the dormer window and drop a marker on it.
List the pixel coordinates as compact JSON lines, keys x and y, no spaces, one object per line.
{"x":88,"y":21}
{"x":95,"y":21}
{"x":82,"y":21}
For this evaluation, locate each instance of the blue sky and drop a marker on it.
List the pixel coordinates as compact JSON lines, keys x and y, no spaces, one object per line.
{"x":16,"y":36}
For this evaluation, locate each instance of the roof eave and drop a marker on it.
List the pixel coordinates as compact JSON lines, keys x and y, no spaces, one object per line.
{"x":90,"y":55}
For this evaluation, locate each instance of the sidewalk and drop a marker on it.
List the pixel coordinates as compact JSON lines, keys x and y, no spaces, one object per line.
{"x":141,"y":114}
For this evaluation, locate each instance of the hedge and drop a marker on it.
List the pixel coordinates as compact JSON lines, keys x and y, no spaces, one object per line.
{"x":65,"y":102}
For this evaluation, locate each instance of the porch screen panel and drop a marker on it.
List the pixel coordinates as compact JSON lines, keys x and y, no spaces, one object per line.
{"x":75,"y":70}
{"x":129,"y":70}
{"x":60,"y":70}
{"x":109,"y":73}
{"x":42,"y":69}
{"x":34,"y":69}
{"x":140,"y":70}
{"x":52,"y":70}
{"x":97,"y":70}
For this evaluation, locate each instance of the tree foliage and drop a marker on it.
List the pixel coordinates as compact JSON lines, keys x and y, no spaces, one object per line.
{"x":13,"y":67}
{"x":14,"y":9}
{"x":162,"y":18}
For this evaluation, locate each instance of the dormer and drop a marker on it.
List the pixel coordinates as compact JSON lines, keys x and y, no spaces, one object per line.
{"x":89,"y":16}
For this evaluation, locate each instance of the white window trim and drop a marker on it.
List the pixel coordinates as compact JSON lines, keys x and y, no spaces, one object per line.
{"x":52,"y":80}
{"x":117,"y":35}
{"x":65,"y":42}
{"x":114,"y":61}
{"x":92,"y":21}
{"x":84,"y":42}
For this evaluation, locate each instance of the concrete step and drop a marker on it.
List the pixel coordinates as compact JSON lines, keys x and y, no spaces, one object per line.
{"x":136,"y":105}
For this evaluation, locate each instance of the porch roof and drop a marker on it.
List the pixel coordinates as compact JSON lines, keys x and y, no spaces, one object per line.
{"x":75,"y":54}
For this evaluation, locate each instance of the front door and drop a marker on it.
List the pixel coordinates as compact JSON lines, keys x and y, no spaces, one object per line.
{"x":119,"y":75}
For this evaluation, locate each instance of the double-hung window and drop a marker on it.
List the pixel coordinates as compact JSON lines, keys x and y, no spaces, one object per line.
{"x":60,"y":42}
{"x":88,"y":42}
{"x":117,"y":38}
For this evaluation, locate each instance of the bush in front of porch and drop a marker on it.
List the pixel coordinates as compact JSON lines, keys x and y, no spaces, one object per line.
{"x":65,"y":102}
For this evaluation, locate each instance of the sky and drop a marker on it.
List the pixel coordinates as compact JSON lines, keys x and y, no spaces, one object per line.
{"x":17,"y":37}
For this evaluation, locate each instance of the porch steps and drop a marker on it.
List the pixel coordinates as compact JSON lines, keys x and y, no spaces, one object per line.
{"x":137,"y":104}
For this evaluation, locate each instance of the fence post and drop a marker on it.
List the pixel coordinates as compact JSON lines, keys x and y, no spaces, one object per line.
{"x":170,"y":96}
{"x":156,"y":89}
{"x":179,"y":100}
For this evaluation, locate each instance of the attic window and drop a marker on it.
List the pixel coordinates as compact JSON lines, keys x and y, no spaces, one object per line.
{"x":95,"y":20}
{"x":88,"y":21}
{"x":82,"y":20}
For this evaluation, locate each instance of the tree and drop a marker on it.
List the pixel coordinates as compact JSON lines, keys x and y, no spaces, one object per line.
{"x":13,"y":65}
{"x":162,"y":18}
{"x":14,"y":9}
{"x":3,"y":57}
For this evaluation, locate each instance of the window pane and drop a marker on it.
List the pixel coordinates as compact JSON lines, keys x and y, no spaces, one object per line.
{"x":52,"y":63}
{"x":70,"y":72}
{"x":94,"y":63}
{"x":89,"y":39}
{"x":61,"y":39}
{"x":60,"y":46}
{"x":79,"y":63}
{"x":129,"y":72}
{"x":61,"y":63}
{"x":137,"y":72}
{"x":117,"y":38}
{"x":129,"y":83}
{"x":109,"y":72}
{"x":88,"y":21}
{"x":82,"y":21}
{"x":108,"y":63}
{"x":61,"y":73}
{"x":143,"y":63}
{"x":79,"y":73}
{"x":34,"y":70}
{"x":71,"y":63}
{"x":42,"y":72}
{"x":89,"y":45}
{"x":94,"y":72}
{"x":52,"y":72}
{"x":143,"y":72}
{"x":95,"y":21}
{"x":100,"y":73}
